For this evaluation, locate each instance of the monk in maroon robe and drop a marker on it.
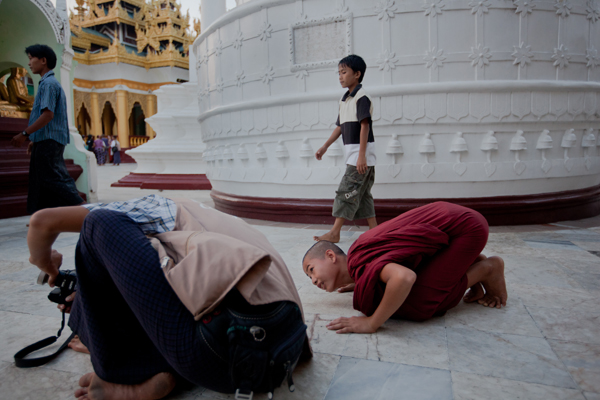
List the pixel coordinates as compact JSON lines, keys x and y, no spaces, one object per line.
{"x":415,"y":266}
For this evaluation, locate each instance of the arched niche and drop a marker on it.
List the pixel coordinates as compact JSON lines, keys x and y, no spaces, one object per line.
{"x":137,"y":124}
{"x":17,"y":35}
{"x":109,"y":119}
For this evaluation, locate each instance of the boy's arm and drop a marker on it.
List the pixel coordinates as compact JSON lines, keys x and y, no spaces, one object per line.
{"x":44,"y":227}
{"x":43,"y":120}
{"x":399,"y":281}
{"x":334,"y":136}
{"x":361,"y":163}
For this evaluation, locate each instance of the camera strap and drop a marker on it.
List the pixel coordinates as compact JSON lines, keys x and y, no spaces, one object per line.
{"x":22,"y":362}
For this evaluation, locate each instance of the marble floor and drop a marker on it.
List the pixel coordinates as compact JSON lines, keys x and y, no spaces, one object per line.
{"x":544,"y":345}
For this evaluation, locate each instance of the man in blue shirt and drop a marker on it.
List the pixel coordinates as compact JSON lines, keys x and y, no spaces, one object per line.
{"x":50,"y":185}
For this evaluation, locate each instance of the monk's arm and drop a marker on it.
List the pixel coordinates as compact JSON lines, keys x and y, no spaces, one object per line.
{"x":44,"y":227}
{"x":399,"y":281}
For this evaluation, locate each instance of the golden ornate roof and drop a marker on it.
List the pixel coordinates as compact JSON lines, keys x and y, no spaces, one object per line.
{"x":161,"y":32}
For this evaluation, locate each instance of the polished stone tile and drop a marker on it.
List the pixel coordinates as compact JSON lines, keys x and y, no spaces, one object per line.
{"x":552,"y":297}
{"x":551,"y":244}
{"x":513,"y":318}
{"x":70,"y":360}
{"x":9,"y":267}
{"x":29,"y":299}
{"x":414,"y":343}
{"x":569,"y":324}
{"x":37,"y":383}
{"x":537,"y":271}
{"x":477,"y":387}
{"x":591,"y":396}
{"x":311,"y":380}
{"x":522,"y":358}
{"x":582,"y":361}
{"x":318,"y":301}
{"x":587,"y":281}
{"x":366,"y":379}
{"x":322,"y":339}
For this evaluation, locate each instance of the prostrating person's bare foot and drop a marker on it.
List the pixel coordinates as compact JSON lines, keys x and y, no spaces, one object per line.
{"x":76,"y":345}
{"x":494,"y":284}
{"x":94,"y":388}
{"x":329,"y":236}
{"x":476,"y":291}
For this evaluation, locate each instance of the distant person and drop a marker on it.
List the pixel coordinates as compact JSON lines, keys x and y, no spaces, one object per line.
{"x":107,"y":152}
{"x":116,"y":149}
{"x":50,"y":185}
{"x":100,"y":150}
{"x":353,"y":199}
{"x":415,"y":267}
{"x":89,"y":143}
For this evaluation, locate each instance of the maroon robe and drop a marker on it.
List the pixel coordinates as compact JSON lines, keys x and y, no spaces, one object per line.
{"x":439,"y":241}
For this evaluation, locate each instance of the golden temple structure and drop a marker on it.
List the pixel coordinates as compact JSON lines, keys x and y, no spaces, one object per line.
{"x":126,"y":49}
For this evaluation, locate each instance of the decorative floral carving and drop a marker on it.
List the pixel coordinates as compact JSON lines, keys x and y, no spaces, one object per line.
{"x":385,"y":9}
{"x":267,"y":76}
{"x":239,"y":78}
{"x":219,"y":48}
{"x":480,"y":55}
{"x":387,"y":61}
{"x":561,"y":57}
{"x":434,"y":8}
{"x":592,"y":57}
{"x":563,"y":8}
{"x":238,"y":41}
{"x":302,"y":74}
{"x":265,"y":31}
{"x":524,"y":7}
{"x":220,"y":85}
{"x":434,"y":59}
{"x":593,"y":10}
{"x":522,"y":55}
{"x":341,"y":7}
{"x":479,"y":7}
{"x":204,"y":58}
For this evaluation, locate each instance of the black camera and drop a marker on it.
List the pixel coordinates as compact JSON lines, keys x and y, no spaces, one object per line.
{"x":64,"y":283}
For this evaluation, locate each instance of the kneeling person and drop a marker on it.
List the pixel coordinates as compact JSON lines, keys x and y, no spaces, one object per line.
{"x":415,"y":266}
{"x":129,"y":310}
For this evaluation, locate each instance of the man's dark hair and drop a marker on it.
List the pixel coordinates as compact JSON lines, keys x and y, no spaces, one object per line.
{"x":318,"y":250}
{"x":42,"y":51}
{"x":356,"y":64}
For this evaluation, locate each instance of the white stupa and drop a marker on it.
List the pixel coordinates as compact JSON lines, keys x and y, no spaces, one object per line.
{"x":464,"y":93}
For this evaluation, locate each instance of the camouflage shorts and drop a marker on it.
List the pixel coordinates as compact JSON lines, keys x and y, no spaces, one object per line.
{"x":353,"y":198}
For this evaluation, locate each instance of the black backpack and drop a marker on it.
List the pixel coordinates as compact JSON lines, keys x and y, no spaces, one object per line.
{"x":262,"y":343}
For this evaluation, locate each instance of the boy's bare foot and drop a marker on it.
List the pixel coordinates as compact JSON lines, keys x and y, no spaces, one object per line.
{"x":94,"y":388}
{"x":76,"y":345}
{"x":475,"y":293}
{"x":494,"y":285}
{"x":329,"y":236}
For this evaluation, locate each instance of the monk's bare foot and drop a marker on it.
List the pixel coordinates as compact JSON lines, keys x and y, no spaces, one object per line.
{"x":329,"y":236}
{"x":94,"y":388}
{"x":475,"y":293}
{"x":494,"y":284}
{"x":76,"y":345}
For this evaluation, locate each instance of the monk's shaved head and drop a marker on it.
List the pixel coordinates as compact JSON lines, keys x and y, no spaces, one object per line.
{"x":318,"y":250}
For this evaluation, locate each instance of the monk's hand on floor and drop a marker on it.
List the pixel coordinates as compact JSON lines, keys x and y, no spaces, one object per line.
{"x":347,"y":288}
{"x":352,"y":325}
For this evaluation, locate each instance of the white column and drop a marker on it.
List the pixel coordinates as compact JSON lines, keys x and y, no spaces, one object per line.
{"x":211,"y":10}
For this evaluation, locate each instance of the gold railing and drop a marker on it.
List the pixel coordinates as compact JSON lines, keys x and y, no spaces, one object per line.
{"x":135,"y":141}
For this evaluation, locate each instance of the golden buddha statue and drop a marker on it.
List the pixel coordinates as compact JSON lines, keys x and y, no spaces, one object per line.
{"x":15,"y":102}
